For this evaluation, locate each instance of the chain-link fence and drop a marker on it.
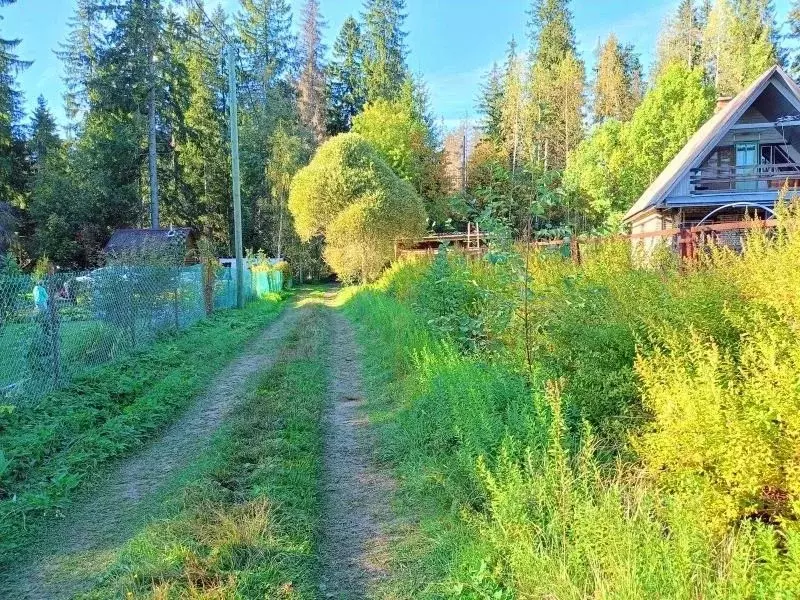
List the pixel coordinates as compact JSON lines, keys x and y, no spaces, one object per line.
{"x":59,"y":326}
{"x":256,"y":283}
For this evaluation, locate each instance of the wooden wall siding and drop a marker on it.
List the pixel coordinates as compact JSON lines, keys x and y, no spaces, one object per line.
{"x":768,"y":135}
{"x":753,"y":115}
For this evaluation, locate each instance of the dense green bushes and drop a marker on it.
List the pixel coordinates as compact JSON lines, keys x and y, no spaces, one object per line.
{"x":349,"y":195}
{"x":617,"y":432}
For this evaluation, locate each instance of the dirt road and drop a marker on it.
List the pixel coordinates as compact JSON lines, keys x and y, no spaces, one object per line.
{"x":66,"y":562}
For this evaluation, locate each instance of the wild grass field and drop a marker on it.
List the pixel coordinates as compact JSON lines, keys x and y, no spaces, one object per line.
{"x":606,"y":430}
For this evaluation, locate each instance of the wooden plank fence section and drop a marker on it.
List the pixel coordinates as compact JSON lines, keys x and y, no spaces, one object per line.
{"x":686,"y":240}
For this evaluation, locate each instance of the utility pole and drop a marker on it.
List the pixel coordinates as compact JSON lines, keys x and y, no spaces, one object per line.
{"x":464,"y":159}
{"x":153,"y":161}
{"x":151,"y":117}
{"x":237,"y":197}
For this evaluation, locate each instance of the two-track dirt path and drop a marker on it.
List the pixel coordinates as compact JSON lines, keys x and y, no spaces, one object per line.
{"x":357,"y":492}
{"x":87,"y":537}
{"x":357,"y":501}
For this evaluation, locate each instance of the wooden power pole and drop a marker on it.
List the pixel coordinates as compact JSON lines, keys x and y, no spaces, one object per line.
{"x":237,"y":197}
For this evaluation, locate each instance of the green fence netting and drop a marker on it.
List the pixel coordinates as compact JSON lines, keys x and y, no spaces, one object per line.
{"x":265,"y":282}
{"x":59,"y":326}
{"x":253,"y":286}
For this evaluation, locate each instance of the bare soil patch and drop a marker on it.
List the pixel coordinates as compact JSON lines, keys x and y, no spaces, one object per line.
{"x":357,"y":512}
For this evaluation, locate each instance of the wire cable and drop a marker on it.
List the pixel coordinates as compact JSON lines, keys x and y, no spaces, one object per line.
{"x":202,"y":10}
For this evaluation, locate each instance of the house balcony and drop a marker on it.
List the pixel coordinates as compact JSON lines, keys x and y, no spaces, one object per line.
{"x":770,"y":178}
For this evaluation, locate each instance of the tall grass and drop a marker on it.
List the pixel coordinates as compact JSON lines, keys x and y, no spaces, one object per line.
{"x":602,"y":430}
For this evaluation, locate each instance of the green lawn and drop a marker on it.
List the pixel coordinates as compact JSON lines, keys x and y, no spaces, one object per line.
{"x":84,"y":344}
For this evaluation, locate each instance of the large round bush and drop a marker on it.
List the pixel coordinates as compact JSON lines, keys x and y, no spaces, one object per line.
{"x":349,"y":195}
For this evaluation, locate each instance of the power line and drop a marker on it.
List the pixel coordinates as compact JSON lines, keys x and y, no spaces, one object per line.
{"x":202,"y":10}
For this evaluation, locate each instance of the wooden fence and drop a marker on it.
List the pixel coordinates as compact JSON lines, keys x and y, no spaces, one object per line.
{"x":687,"y":242}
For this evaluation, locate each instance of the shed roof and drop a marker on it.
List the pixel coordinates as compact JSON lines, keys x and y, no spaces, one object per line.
{"x":704,"y":140}
{"x":159,"y":242}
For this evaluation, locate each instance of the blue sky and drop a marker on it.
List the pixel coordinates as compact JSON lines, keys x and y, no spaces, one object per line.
{"x":453,"y":43}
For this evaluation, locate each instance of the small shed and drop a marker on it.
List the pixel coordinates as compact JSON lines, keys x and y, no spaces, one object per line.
{"x":176,"y":245}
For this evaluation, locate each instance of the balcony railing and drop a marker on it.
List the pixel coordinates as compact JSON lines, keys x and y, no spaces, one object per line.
{"x":744,"y":179}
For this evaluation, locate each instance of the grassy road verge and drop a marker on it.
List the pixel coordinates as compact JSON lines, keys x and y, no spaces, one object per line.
{"x":436,"y":550}
{"x":50,"y":449}
{"x":246,"y":525}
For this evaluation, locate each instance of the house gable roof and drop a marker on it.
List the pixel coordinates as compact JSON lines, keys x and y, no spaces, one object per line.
{"x":709,"y":134}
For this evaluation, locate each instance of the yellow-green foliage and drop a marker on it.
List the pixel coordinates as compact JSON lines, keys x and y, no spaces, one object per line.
{"x":396,"y":133}
{"x":664,"y":462}
{"x":512,"y":503}
{"x":726,"y":417}
{"x":352,"y":197}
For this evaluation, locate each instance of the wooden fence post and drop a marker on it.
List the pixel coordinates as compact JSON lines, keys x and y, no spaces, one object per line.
{"x":575,"y":250}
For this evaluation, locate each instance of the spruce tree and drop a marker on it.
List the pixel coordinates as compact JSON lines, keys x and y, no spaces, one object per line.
{"x":265,"y":29}
{"x":269,"y":67}
{"x":793,"y":22}
{"x":346,"y":78}
{"x":616,"y":87}
{"x":490,"y":105}
{"x":43,"y":137}
{"x":513,"y":106}
{"x":551,"y":32}
{"x":556,"y":85}
{"x":680,"y":38}
{"x":739,"y":43}
{"x":385,"y":52}
{"x":311,"y":85}
{"x":634,"y":73}
{"x":13,"y":165}
{"x":79,"y":57}
{"x":195,"y":165}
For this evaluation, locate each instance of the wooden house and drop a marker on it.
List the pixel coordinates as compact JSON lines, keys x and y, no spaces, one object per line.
{"x":736,"y":163}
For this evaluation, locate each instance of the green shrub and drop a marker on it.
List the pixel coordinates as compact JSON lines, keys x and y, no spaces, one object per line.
{"x":726,"y":416}
{"x":351,"y":196}
{"x":662,"y":463}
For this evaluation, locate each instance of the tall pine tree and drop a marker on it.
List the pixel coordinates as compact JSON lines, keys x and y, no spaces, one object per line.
{"x":557,"y":84}
{"x":385,"y":52}
{"x":269,"y":68}
{"x":680,"y":38}
{"x":43,"y":137}
{"x":346,"y":78}
{"x":739,"y":43}
{"x":265,"y":30}
{"x":490,"y":105}
{"x":13,"y":166}
{"x":311,"y":86}
{"x":551,"y":33}
{"x":79,"y":55}
{"x":201,"y":167}
{"x":617,"y":85}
